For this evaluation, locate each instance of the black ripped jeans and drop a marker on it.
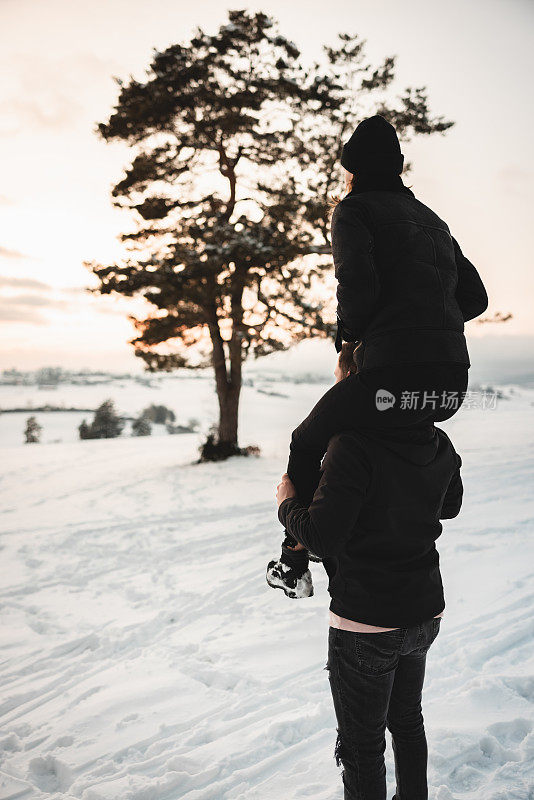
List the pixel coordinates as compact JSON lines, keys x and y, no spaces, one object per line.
{"x":377,"y":681}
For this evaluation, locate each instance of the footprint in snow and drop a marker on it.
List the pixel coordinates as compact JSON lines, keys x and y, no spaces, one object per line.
{"x":50,"y":774}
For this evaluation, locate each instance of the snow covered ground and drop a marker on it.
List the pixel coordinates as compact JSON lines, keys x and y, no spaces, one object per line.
{"x":145,"y":658}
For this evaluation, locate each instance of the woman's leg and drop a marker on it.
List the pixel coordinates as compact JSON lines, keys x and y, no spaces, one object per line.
{"x":419,"y":393}
{"x":455,"y":380}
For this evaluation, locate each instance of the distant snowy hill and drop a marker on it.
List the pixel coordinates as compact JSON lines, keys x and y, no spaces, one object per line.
{"x":145,"y":658}
{"x":495,"y":359}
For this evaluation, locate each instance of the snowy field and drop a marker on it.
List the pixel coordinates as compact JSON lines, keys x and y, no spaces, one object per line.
{"x":145,"y":658}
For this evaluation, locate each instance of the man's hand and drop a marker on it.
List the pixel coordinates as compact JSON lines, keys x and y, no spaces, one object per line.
{"x":285,"y":489}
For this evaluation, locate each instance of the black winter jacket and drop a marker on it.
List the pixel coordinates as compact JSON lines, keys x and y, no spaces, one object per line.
{"x":404,"y":286}
{"x":374,"y":520}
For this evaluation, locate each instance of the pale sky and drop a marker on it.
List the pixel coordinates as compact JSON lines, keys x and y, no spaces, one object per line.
{"x":57,"y":59}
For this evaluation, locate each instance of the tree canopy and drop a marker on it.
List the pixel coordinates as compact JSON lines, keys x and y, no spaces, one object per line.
{"x":235,"y":146}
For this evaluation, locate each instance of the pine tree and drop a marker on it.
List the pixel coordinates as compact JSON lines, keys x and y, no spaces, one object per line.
{"x":106,"y":423}
{"x":32,"y":432}
{"x":141,"y":426}
{"x":235,"y":147}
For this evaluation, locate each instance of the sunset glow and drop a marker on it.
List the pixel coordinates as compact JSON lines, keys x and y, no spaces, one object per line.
{"x":55,"y":209}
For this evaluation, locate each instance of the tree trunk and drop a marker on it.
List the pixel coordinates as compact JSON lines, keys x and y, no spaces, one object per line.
{"x":228,"y":387}
{"x":229,"y":415}
{"x":228,"y":372}
{"x":229,"y":393}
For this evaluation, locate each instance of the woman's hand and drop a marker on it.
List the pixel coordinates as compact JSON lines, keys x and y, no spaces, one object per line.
{"x":285,"y":489}
{"x":345,"y":364}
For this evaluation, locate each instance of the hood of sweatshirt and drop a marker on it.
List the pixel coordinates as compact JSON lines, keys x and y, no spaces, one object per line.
{"x":418,"y":444}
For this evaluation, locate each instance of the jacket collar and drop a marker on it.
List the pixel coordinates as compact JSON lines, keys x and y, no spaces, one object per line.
{"x":369,"y":183}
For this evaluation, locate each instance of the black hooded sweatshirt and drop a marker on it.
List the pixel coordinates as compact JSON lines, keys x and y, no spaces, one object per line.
{"x":374,"y":520}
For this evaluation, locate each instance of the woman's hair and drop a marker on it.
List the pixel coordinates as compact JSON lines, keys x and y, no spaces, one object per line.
{"x":334,"y":199}
{"x":347,"y":364}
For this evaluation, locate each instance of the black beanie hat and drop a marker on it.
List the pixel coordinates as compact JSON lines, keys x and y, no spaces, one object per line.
{"x":373,"y":147}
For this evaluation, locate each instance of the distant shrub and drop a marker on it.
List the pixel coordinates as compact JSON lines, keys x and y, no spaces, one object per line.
{"x":191,"y":426}
{"x":106,"y":423}
{"x":32,"y":432}
{"x":141,"y":426}
{"x":159,"y":414}
{"x":83,"y":430}
{"x":48,"y":376}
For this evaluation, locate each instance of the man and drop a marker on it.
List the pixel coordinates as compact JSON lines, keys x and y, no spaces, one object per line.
{"x":373,"y":521}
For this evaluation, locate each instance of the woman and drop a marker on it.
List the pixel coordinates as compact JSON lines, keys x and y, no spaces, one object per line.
{"x":404,"y":291}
